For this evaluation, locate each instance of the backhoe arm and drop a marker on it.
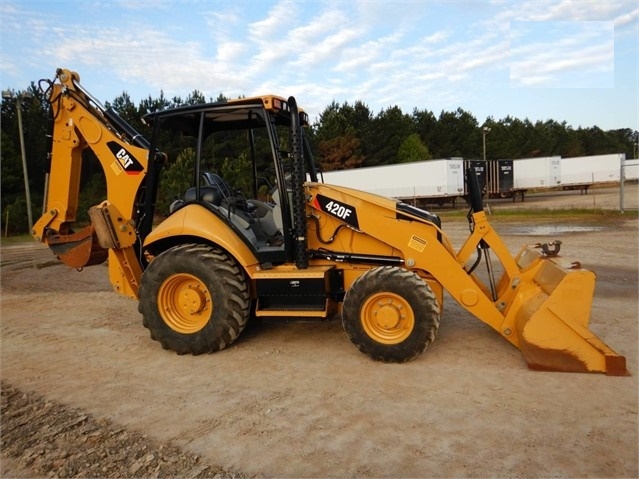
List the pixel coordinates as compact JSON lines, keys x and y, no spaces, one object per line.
{"x":80,"y":122}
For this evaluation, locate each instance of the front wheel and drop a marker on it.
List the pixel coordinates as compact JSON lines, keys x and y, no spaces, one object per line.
{"x":390,"y":314}
{"x":194,"y":299}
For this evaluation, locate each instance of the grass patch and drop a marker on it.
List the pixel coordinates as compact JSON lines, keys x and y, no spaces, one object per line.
{"x":17,"y":239}
{"x":547,"y":214}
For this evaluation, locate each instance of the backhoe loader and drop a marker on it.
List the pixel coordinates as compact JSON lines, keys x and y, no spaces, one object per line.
{"x":275,"y":241}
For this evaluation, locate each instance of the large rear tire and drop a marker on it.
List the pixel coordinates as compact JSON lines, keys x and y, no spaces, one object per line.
{"x":390,"y":314}
{"x":194,"y":299}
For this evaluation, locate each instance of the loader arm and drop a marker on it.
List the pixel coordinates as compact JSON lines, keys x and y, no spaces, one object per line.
{"x":79,"y":123}
{"x":540,"y":304}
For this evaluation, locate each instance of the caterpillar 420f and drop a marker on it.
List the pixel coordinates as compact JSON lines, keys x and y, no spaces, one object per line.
{"x":281,"y":243}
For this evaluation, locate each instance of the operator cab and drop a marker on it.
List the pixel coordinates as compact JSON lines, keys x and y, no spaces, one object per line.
{"x":235,"y":161}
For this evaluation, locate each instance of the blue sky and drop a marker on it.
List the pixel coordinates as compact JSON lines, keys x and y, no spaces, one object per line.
{"x":566,"y":60}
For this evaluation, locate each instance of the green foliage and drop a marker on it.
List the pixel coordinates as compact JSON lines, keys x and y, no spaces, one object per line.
{"x":456,"y":134}
{"x":33,"y":112}
{"x":195,"y":98}
{"x":389,"y":129}
{"x":341,"y":136}
{"x":413,"y":149}
{"x":92,"y":194}
{"x":345,"y":136}
{"x":237,"y":173}
{"x":14,"y":217}
{"x":176,"y":179}
{"x":10,"y":167}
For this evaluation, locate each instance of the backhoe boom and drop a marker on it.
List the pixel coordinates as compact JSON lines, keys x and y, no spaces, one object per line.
{"x":81,"y":123}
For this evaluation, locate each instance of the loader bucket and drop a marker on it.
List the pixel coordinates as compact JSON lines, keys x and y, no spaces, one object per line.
{"x":552,"y":323}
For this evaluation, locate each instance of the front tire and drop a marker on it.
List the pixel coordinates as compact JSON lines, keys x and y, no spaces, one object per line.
{"x":390,"y":314}
{"x":194,"y":299}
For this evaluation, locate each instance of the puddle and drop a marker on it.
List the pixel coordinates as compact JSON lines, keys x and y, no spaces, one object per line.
{"x":543,"y":230}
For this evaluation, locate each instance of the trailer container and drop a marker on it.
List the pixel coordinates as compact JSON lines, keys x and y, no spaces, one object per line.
{"x":582,"y":171}
{"x":440,"y":180}
{"x":537,"y":173}
{"x":500,"y":179}
{"x":631,"y":170}
{"x":480,"y":169}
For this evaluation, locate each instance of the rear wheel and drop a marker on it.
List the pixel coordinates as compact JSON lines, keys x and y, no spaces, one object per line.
{"x":194,"y":299}
{"x":390,"y":314}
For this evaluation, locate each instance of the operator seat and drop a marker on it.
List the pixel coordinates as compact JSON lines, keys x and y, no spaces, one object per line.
{"x":209,"y":194}
{"x":218,"y":182}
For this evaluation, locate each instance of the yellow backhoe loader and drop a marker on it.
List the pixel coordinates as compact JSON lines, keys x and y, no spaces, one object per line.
{"x":281,"y":243}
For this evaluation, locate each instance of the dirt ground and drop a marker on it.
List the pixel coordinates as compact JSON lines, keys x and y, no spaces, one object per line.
{"x":87,"y":393}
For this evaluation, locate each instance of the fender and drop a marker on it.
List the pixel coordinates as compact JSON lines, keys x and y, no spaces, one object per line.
{"x":196,"y":220}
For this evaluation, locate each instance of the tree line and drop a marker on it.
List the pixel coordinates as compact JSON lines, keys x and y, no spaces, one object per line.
{"x":343,"y":136}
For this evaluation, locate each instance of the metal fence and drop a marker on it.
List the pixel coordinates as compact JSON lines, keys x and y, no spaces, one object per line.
{"x":629,"y":175}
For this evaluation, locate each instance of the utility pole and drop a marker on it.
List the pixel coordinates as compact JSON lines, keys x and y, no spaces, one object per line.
{"x":7,"y":95}
{"x":485,"y":130}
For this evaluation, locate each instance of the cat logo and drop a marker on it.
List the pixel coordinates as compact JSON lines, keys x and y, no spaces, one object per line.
{"x":125,"y":159}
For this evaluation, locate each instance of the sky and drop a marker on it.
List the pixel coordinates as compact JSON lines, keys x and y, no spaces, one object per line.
{"x":564,"y":60}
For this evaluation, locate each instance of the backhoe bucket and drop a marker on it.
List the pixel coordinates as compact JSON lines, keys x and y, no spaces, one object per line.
{"x":78,"y":250}
{"x":552,"y":322}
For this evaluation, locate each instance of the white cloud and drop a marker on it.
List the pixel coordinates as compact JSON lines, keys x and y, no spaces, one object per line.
{"x":229,"y":51}
{"x":432,"y":54}
{"x":437,"y":37}
{"x":222,"y":20}
{"x":564,"y":54}
{"x":627,"y":18}
{"x":326,"y":23}
{"x":278,"y":20}
{"x":355,"y":58}
{"x":562,"y":10}
{"x":328,"y":49}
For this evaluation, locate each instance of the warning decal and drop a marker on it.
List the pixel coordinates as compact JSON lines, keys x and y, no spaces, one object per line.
{"x":417,"y":243}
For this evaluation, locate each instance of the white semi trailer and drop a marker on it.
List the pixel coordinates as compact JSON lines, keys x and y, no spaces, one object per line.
{"x":439,"y":180}
{"x":442,"y":181}
{"x":531,"y":173}
{"x":583,"y":171}
{"x":631,"y":170}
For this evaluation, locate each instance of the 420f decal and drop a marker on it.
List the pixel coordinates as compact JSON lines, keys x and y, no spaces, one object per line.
{"x":337,"y":209}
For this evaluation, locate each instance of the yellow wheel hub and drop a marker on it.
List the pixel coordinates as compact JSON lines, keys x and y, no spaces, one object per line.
{"x":184,"y":303}
{"x":387,"y":318}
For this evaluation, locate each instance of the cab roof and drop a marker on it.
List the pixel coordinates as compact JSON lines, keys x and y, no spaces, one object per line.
{"x":240,"y":113}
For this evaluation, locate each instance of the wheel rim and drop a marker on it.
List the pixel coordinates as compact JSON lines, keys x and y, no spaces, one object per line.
{"x":387,"y":318}
{"x":184,"y":303}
